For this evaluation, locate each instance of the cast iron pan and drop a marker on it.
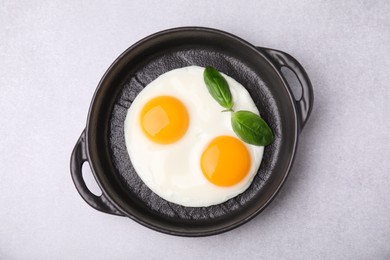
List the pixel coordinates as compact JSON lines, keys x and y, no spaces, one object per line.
{"x":102,"y":143}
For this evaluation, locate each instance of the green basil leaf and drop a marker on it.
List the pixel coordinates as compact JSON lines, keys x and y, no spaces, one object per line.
{"x":251,"y":128}
{"x":218,"y":87}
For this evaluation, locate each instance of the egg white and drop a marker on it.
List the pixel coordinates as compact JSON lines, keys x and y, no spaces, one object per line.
{"x":173,"y":171}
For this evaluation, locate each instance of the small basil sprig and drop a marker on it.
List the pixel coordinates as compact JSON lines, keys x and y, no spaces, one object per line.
{"x":248,"y":126}
{"x":251,"y":128}
{"x":218,"y":87}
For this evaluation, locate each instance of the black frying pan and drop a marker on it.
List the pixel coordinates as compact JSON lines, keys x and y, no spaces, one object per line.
{"x":102,"y":143}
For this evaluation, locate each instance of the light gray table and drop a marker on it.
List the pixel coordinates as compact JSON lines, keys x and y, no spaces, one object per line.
{"x":334,"y":205}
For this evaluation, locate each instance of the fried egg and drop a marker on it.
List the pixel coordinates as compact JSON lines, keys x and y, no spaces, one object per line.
{"x":183,"y":147}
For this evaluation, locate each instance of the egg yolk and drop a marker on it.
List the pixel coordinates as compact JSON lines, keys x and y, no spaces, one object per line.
{"x":225,"y":161}
{"x":164,"y":119}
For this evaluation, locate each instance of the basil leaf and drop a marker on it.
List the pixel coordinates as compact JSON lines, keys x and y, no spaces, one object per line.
{"x":251,"y":128}
{"x":218,"y":87}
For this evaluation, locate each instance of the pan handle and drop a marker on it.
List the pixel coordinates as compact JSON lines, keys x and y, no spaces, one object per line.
{"x":78,"y":158}
{"x":281,"y":59}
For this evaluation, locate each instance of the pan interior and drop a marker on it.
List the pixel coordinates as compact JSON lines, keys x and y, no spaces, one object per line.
{"x":137,"y":68}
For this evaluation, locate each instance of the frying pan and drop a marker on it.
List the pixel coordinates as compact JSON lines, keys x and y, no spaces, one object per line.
{"x":102,"y":142}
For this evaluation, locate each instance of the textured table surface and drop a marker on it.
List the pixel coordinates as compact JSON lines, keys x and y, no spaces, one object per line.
{"x":336,"y":201}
